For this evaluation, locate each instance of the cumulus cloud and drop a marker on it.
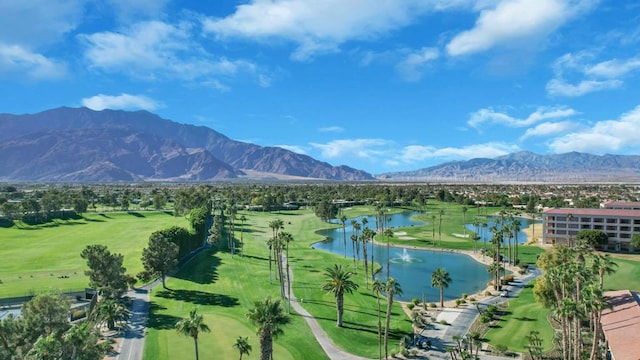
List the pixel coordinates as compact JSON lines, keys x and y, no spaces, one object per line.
{"x":412,"y":65}
{"x":120,"y":102}
{"x":35,"y":23}
{"x":577,"y":74}
{"x":318,"y":27}
{"x":515,"y":21}
{"x":548,"y":128}
{"x":603,"y":136}
{"x":294,"y":148}
{"x":156,"y":50}
{"x":359,"y":148}
{"x":418,"y":153}
{"x":16,"y":59}
{"x":491,"y":116}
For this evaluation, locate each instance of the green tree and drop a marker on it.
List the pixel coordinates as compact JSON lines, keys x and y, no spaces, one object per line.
{"x":45,"y":314}
{"x":110,"y":312}
{"x":591,"y":238}
{"x":106,"y":272}
{"x":192,"y":327}
{"x":635,"y":241}
{"x":159,"y":258}
{"x":243,"y":346}
{"x":269,"y":318}
{"x":440,"y":278}
{"x":392,"y":288}
{"x":338,"y":283}
{"x":602,"y":264}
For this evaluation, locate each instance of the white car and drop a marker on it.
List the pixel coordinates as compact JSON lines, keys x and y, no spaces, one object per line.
{"x":504,"y":294}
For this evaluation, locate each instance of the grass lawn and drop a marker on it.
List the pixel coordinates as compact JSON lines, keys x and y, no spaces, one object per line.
{"x":34,"y":257}
{"x":523,"y":316}
{"x":627,"y":275}
{"x":224,"y":288}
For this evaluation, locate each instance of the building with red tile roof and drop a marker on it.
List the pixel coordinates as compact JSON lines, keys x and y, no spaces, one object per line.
{"x":621,"y":325}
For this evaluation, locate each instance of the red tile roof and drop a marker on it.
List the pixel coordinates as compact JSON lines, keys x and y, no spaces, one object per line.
{"x":621,"y":325}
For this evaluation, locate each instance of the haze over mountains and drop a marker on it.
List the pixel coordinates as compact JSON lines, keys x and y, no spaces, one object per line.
{"x":79,"y":144}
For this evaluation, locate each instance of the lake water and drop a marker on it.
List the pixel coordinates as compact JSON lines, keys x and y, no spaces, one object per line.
{"x":413,"y":268}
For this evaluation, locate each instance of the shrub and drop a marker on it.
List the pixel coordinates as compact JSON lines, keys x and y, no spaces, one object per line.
{"x":508,"y":278}
{"x":410,"y":306}
{"x":432,"y":305}
{"x":487,"y":293}
{"x":465,"y":295}
{"x":471,"y":299}
{"x":415,"y":301}
{"x":444,"y":322}
{"x":501,"y":348}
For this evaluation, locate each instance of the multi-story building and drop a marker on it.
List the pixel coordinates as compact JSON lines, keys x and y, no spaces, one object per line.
{"x":619,"y":220}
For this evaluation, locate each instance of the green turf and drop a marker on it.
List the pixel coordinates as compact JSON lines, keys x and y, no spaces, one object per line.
{"x":226,"y":287}
{"x":523,"y":316}
{"x":34,"y":257}
{"x":627,"y":275}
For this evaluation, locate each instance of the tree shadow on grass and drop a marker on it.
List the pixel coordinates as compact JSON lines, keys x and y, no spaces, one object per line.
{"x":201,"y":271}
{"x":161,"y":321}
{"x":136,"y":214}
{"x":5,"y":223}
{"x":199,"y":297}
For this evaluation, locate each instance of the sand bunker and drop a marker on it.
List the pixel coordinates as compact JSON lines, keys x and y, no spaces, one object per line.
{"x":399,"y":233}
{"x":406,"y":237}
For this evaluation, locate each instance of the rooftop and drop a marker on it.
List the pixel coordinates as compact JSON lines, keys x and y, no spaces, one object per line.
{"x":592,"y":212}
{"x":621,"y":324}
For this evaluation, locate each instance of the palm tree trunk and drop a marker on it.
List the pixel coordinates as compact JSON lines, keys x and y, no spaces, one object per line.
{"x":596,"y":336}
{"x":339,"y":309}
{"x":379,"y":331}
{"x":195,"y":342}
{"x":366,"y":266}
{"x":441,"y":297}
{"x":387,"y":323}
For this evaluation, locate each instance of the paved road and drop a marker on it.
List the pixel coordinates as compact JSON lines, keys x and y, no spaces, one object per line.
{"x":460,"y":320}
{"x":133,"y":343}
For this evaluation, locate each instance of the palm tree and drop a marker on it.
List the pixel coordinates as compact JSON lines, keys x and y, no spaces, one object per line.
{"x":495,"y":269}
{"x":378,"y":287}
{"x":243,"y":219}
{"x":441,"y":212}
{"x":192,"y":326}
{"x":516,"y":229}
{"x":110,"y":312}
{"x":242,"y":345}
{"x":269,"y":319}
{"x":354,"y":241}
{"x":392,"y":288}
{"x":389,"y":234}
{"x":343,"y":220}
{"x":602,"y":264}
{"x":440,"y":278}
{"x":286,"y":239}
{"x":433,"y":229}
{"x":569,"y":219}
{"x":464,"y":220}
{"x":339,"y":282}
{"x":366,"y":235}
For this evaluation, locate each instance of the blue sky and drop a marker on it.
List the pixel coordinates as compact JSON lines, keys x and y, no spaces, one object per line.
{"x":379,"y":85}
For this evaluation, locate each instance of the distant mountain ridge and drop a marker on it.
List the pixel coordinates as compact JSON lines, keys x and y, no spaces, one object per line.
{"x":79,"y":144}
{"x":526,"y":166}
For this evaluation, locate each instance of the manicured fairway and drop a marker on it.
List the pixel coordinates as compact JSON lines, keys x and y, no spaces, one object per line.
{"x":627,"y":275}
{"x":524,"y":315}
{"x":224,"y":288}
{"x":34,"y":258}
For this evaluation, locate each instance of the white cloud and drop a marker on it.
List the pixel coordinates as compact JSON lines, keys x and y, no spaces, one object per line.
{"x":157,"y":50}
{"x":419,"y":153}
{"x":333,"y":129}
{"x":122,"y":102}
{"x":295,"y":148}
{"x":35,"y":23}
{"x":603,"y":136}
{"x":413,"y":64}
{"x":16,"y":59}
{"x":548,"y":128}
{"x":514,"y":21}
{"x":359,"y":148}
{"x":588,"y":78}
{"x":490,"y":116}
{"x":318,"y":27}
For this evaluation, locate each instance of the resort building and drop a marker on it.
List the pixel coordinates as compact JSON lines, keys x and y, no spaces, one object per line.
{"x":619,"y":220}
{"x":621,"y":325}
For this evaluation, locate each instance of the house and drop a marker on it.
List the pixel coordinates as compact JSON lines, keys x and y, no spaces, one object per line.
{"x":621,"y":325}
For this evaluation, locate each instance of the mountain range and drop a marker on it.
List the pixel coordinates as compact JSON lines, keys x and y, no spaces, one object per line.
{"x":79,"y":144}
{"x":526,"y":166}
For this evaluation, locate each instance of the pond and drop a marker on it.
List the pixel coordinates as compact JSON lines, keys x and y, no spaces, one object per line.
{"x":412,"y":267}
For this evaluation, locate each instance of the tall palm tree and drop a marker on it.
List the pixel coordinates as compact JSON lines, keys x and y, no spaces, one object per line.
{"x":286,"y":239}
{"x":343,"y":220}
{"x":569,"y":219}
{"x":192,"y":326}
{"x":388,"y":234}
{"x":243,"y":219}
{"x":338,"y":283}
{"x":602,"y":264}
{"x":392,"y":288}
{"x":495,"y":269}
{"x":354,"y":241}
{"x":378,"y":287}
{"x":356,"y":229}
{"x":441,"y":213}
{"x":433,"y":229}
{"x":269,"y":319}
{"x":440,"y":278}
{"x":366,"y":235}
{"x":242,"y":345}
{"x":516,"y":229}
{"x":464,"y":220}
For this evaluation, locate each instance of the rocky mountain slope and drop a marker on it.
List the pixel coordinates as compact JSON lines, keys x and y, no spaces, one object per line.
{"x":79,"y":144}
{"x":530,"y":167}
